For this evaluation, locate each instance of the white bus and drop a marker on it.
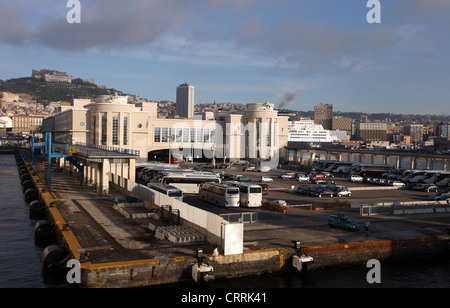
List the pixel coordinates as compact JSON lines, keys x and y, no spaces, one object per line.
{"x":321,"y":165}
{"x":338,"y":164}
{"x":443,"y":180}
{"x":167,"y":190}
{"x":250,"y":194}
{"x":423,"y":176}
{"x":189,"y":183}
{"x":219,"y":194}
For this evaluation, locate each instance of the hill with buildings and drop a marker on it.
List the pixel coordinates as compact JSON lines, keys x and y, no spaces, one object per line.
{"x":45,"y":92}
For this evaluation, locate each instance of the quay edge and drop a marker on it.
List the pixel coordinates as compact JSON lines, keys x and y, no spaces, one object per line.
{"x":172,"y":270}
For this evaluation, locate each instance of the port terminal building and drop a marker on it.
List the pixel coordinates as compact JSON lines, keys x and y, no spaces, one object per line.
{"x":257,"y":134}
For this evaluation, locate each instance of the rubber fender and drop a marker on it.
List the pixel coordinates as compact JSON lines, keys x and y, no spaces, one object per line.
{"x":25,"y":177}
{"x":43,"y":229}
{"x":36,"y":206}
{"x":54,"y":256}
{"x":27,"y":185}
{"x":30,"y":195}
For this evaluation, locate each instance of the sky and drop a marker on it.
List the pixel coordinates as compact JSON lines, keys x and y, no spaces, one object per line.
{"x":293,"y":53}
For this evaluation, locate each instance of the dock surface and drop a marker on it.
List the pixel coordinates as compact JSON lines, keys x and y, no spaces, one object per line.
{"x":126,"y":252}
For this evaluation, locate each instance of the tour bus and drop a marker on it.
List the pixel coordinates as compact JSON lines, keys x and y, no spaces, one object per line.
{"x":219,"y":194}
{"x":413,"y":175}
{"x":371,"y":170}
{"x":443,"y":180}
{"x":167,"y":190}
{"x":405,"y":175}
{"x":321,"y":165}
{"x":422,"y":176}
{"x":189,"y":183}
{"x":157,"y":175}
{"x":250,"y":194}
{"x":338,"y":164}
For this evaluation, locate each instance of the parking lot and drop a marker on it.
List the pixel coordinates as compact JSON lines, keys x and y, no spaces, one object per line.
{"x":273,"y":228}
{"x":361,"y":193}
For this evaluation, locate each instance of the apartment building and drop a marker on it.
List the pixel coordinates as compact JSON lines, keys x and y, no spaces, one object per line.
{"x":371,"y":131}
{"x":323,"y":115}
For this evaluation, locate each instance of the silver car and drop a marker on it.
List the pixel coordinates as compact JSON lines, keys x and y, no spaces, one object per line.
{"x":342,"y":191}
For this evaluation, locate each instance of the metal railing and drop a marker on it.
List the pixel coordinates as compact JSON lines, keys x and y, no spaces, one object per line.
{"x":98,"y":150}
{"x":246,"y":217}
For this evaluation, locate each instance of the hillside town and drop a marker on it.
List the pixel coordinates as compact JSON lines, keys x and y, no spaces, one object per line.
{"x":22,"y":114}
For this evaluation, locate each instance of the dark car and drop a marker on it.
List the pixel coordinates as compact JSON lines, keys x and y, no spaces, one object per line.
{"x":441,"y":197}
{"x":342,"y":221}
{"x":425,"y":187}
{"x":324,"y":192}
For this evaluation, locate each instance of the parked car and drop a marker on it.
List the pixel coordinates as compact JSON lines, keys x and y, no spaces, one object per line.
{"x":355,"y":178}
{"x":342,"y":191}
{"x":243,"y":178}
{"x":319,"y":181}
{"x":324,"y":192}
{"x":395,"y":183}
{"x":441,"y":197}
{"x":311,"y":191}
{"x":317,"y":176}
{"x":303,"y":177}
{"x":342,"y":221}
{"x":265,"y":179}
{"x":286,"y":176}
{"x":304,"y":190}
{"x":241,"y":163}
{"x":425,"y":187}
{"x":251,"y":168}
{"x":264,"y":169}
{"x":328,"y":175}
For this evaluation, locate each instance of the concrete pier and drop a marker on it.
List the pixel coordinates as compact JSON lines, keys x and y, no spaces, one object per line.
{"x":125,"y":252}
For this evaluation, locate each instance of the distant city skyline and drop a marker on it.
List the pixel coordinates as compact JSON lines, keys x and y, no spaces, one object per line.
{"x":295,"y":54}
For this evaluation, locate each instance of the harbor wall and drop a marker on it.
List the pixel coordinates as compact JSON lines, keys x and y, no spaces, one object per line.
{"x":162,"y":271}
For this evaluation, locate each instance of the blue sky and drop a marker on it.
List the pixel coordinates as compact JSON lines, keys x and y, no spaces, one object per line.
{"x":294,"y":53}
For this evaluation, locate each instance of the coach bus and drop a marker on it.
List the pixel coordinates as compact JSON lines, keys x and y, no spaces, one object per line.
{"x":167,"y":190}
{"x":250,"y":194}
{"x":219,"y":194}
{"x":189,"y":183}
{"x":370,"y":170}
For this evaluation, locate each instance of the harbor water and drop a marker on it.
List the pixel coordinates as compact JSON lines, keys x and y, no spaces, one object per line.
{"x":21,"y":265}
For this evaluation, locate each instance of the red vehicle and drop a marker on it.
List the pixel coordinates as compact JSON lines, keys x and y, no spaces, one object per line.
{"x":318,"y":176}
{"x":174,"y":160}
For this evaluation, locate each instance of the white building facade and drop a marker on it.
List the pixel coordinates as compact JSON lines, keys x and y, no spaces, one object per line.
{"x":257,"y":134}
{"x":307,"y":131}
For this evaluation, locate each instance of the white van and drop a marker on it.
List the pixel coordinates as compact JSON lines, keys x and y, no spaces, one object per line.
{"x":264,"y":169}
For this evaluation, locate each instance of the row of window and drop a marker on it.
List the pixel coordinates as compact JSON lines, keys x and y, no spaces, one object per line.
{"x":184,"y":135}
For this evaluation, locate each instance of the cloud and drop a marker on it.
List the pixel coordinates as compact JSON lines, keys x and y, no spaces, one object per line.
{"x":13,"y":27}
{"x":237,"y":27}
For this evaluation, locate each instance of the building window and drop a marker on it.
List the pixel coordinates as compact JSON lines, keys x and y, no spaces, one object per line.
{"x":125,"y":130}
{"x":115,"y":128}
{"x":213,"y":136}
{"x":157,"y":134}
{"x":179,"y":133}
{"x":171,"y":134}
{"x":185,"y":135}
{"x":267,"y":132}
{"x":94,"y":129}
{"x":192,"y":135}
{"x":164,"y":134}
{"x":104,"y":129}
{"x":199,"y":135}
{"x":206,"y":135}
